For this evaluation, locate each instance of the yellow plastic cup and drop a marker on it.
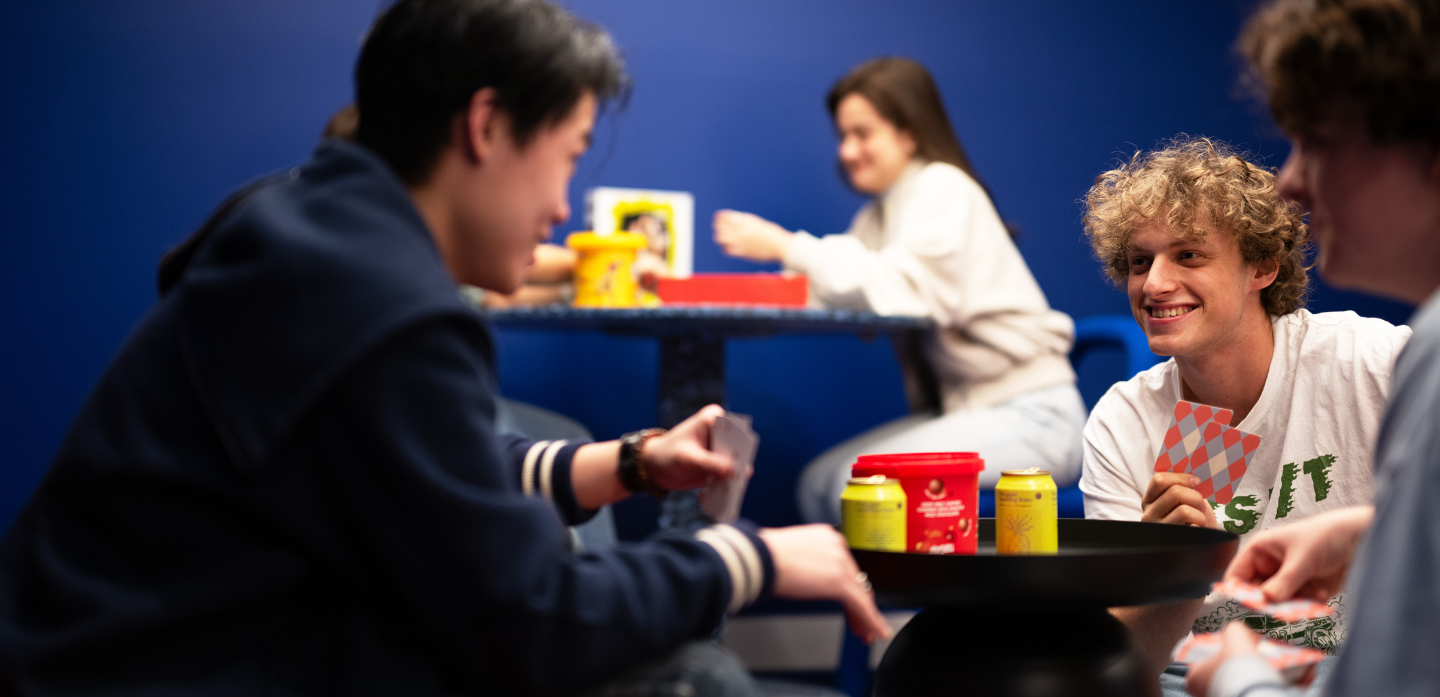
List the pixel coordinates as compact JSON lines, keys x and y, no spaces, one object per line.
{"x":603,"y":269}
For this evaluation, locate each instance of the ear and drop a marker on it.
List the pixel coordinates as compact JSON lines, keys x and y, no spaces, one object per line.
{"x":481,"y":126}
{"x":1264,"y":273}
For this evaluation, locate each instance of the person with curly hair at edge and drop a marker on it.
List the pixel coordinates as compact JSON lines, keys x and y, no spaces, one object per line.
{"x":1214,"y":263}
{"x":1356,"y":86}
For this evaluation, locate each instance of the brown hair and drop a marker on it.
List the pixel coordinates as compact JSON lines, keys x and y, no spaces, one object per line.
{"x":905,"y":94}
{"x":1192,"y":186}
{"x":344,"y":124}
{"x":1383,"y":55}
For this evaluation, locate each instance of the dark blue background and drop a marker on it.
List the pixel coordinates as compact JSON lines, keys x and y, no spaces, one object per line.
{"x":122,"y":124}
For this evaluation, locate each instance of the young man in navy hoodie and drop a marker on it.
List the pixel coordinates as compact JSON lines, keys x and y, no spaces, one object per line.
{"x":289,"y":481}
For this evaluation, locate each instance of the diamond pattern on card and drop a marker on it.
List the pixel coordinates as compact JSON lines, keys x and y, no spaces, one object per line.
{"x":1187,"y":423}
{"x":1221,"y":461}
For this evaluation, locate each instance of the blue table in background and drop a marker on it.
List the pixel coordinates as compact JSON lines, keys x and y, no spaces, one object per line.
{"x":692,"y":348}
{"x":692,"y":339}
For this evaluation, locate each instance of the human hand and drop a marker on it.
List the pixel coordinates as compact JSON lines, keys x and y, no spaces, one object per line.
{"x":750,"y":236}
{"x":1308,"y":559}
{"x":1239,"y":640}
{"x":1172,"y":498}
{"x":681,"y":459}
{"x":812,"y":562}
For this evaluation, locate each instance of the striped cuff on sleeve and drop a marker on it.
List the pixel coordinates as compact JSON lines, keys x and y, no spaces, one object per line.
{"x":545,"y":473}
{"x":747,"y":559}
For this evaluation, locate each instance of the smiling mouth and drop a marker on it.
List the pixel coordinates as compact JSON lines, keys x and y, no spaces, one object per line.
{"x":1167,"y":312}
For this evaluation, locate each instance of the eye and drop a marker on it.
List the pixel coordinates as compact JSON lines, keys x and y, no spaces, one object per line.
{"x":1138,"y":263}
{"x":1188,"y":255}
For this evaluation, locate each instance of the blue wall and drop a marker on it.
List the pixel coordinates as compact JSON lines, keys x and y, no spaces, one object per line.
{"x":121,"y":125}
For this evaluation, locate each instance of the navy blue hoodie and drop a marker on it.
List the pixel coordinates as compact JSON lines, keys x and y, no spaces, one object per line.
{"x":289,"y":482}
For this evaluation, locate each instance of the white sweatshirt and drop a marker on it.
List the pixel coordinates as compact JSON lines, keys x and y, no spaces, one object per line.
{"x":933,"y":245}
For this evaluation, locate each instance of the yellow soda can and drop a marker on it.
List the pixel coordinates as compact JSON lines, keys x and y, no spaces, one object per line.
{"x":1025,"y":513}
{"x":872,"y":514}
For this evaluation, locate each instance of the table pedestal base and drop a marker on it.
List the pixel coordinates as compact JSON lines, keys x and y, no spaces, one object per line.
{"x":692,"y":375}
{"x":1014,"y":651}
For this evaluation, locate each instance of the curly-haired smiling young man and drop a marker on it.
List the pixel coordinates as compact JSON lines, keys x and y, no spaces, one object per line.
{"x":1213,"y":261}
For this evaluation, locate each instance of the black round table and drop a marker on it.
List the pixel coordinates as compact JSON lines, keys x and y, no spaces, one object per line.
{"x":1037,"y":626}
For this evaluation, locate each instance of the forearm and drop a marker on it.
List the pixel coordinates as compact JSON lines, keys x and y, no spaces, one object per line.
{"x":595,"y":475}
{"x":1157,"y":628}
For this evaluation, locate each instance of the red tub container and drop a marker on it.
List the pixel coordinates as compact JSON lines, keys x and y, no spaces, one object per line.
{"x":942,"y":497}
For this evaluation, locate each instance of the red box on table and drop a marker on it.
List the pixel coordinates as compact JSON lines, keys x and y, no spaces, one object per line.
{"x":942,"y":497}
{"x":735,"y":289}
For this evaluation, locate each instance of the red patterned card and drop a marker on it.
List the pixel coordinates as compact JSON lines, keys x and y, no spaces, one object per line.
{"x":1185,"y":434}
{"x":1221,"y":461}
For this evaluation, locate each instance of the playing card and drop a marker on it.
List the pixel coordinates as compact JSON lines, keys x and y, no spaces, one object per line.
{"x":1221,"y":461}
{"x":1295,"y":664}
{"x":731,"y":435}
{"x":1293,"y":610}
{"x":1187,"y":424}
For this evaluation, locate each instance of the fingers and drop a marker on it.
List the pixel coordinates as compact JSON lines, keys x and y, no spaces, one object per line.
{"x":1185,"y":515}
{"x":864,"y":617}
{"x":1295,"y":571}
{"x":1238,"y":639}
{"x":1163,"y":482}
{"x":1167,"y":501}
{"x":1252,"y":563}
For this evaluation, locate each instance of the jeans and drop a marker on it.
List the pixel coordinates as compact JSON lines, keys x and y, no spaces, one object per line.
{"x":1036,"y":429}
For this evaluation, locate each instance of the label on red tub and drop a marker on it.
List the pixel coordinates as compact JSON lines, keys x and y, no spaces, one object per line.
{"x":940,"y":520}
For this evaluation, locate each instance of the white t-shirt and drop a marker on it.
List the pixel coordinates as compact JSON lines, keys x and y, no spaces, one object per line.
{"x":1318,"y":418}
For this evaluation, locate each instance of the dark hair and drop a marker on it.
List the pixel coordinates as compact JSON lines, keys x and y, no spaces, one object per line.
{"x":1383,"y":55}
{"x":905,"y":94}
{"x":424,"y":60}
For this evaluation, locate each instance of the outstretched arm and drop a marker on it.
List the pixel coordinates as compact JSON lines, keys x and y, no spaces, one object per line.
{"x":1308,"y":559}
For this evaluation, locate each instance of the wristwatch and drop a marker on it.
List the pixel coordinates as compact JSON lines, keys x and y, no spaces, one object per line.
{"x":634,"y":475}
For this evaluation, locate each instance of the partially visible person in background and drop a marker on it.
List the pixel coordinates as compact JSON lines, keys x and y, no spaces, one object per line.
{"x":1356,"y":86}
{"x":994,"y":377}
{"x":547,"y":281}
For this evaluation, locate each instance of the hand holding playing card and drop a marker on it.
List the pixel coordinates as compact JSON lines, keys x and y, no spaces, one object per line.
{"x":1201,"y":458}
{"x":1172,"y":498}
{"x":681,"y":458}
{"x":1308,"y":559}
{"x":731,"y":436}
{"x":1207,"y":652}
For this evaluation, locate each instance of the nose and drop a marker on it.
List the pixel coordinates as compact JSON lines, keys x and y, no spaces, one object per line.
{"x":1290,"y":184}
{"x":1160,"y":280}
{"x":849,"y":149}
{"x":562,"y":211}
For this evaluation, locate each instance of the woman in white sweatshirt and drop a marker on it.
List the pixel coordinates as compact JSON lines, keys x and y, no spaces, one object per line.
{"x":994,"y":377}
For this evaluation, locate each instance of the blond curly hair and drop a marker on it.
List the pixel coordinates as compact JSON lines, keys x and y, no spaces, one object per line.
{"x":1195,"y":185}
